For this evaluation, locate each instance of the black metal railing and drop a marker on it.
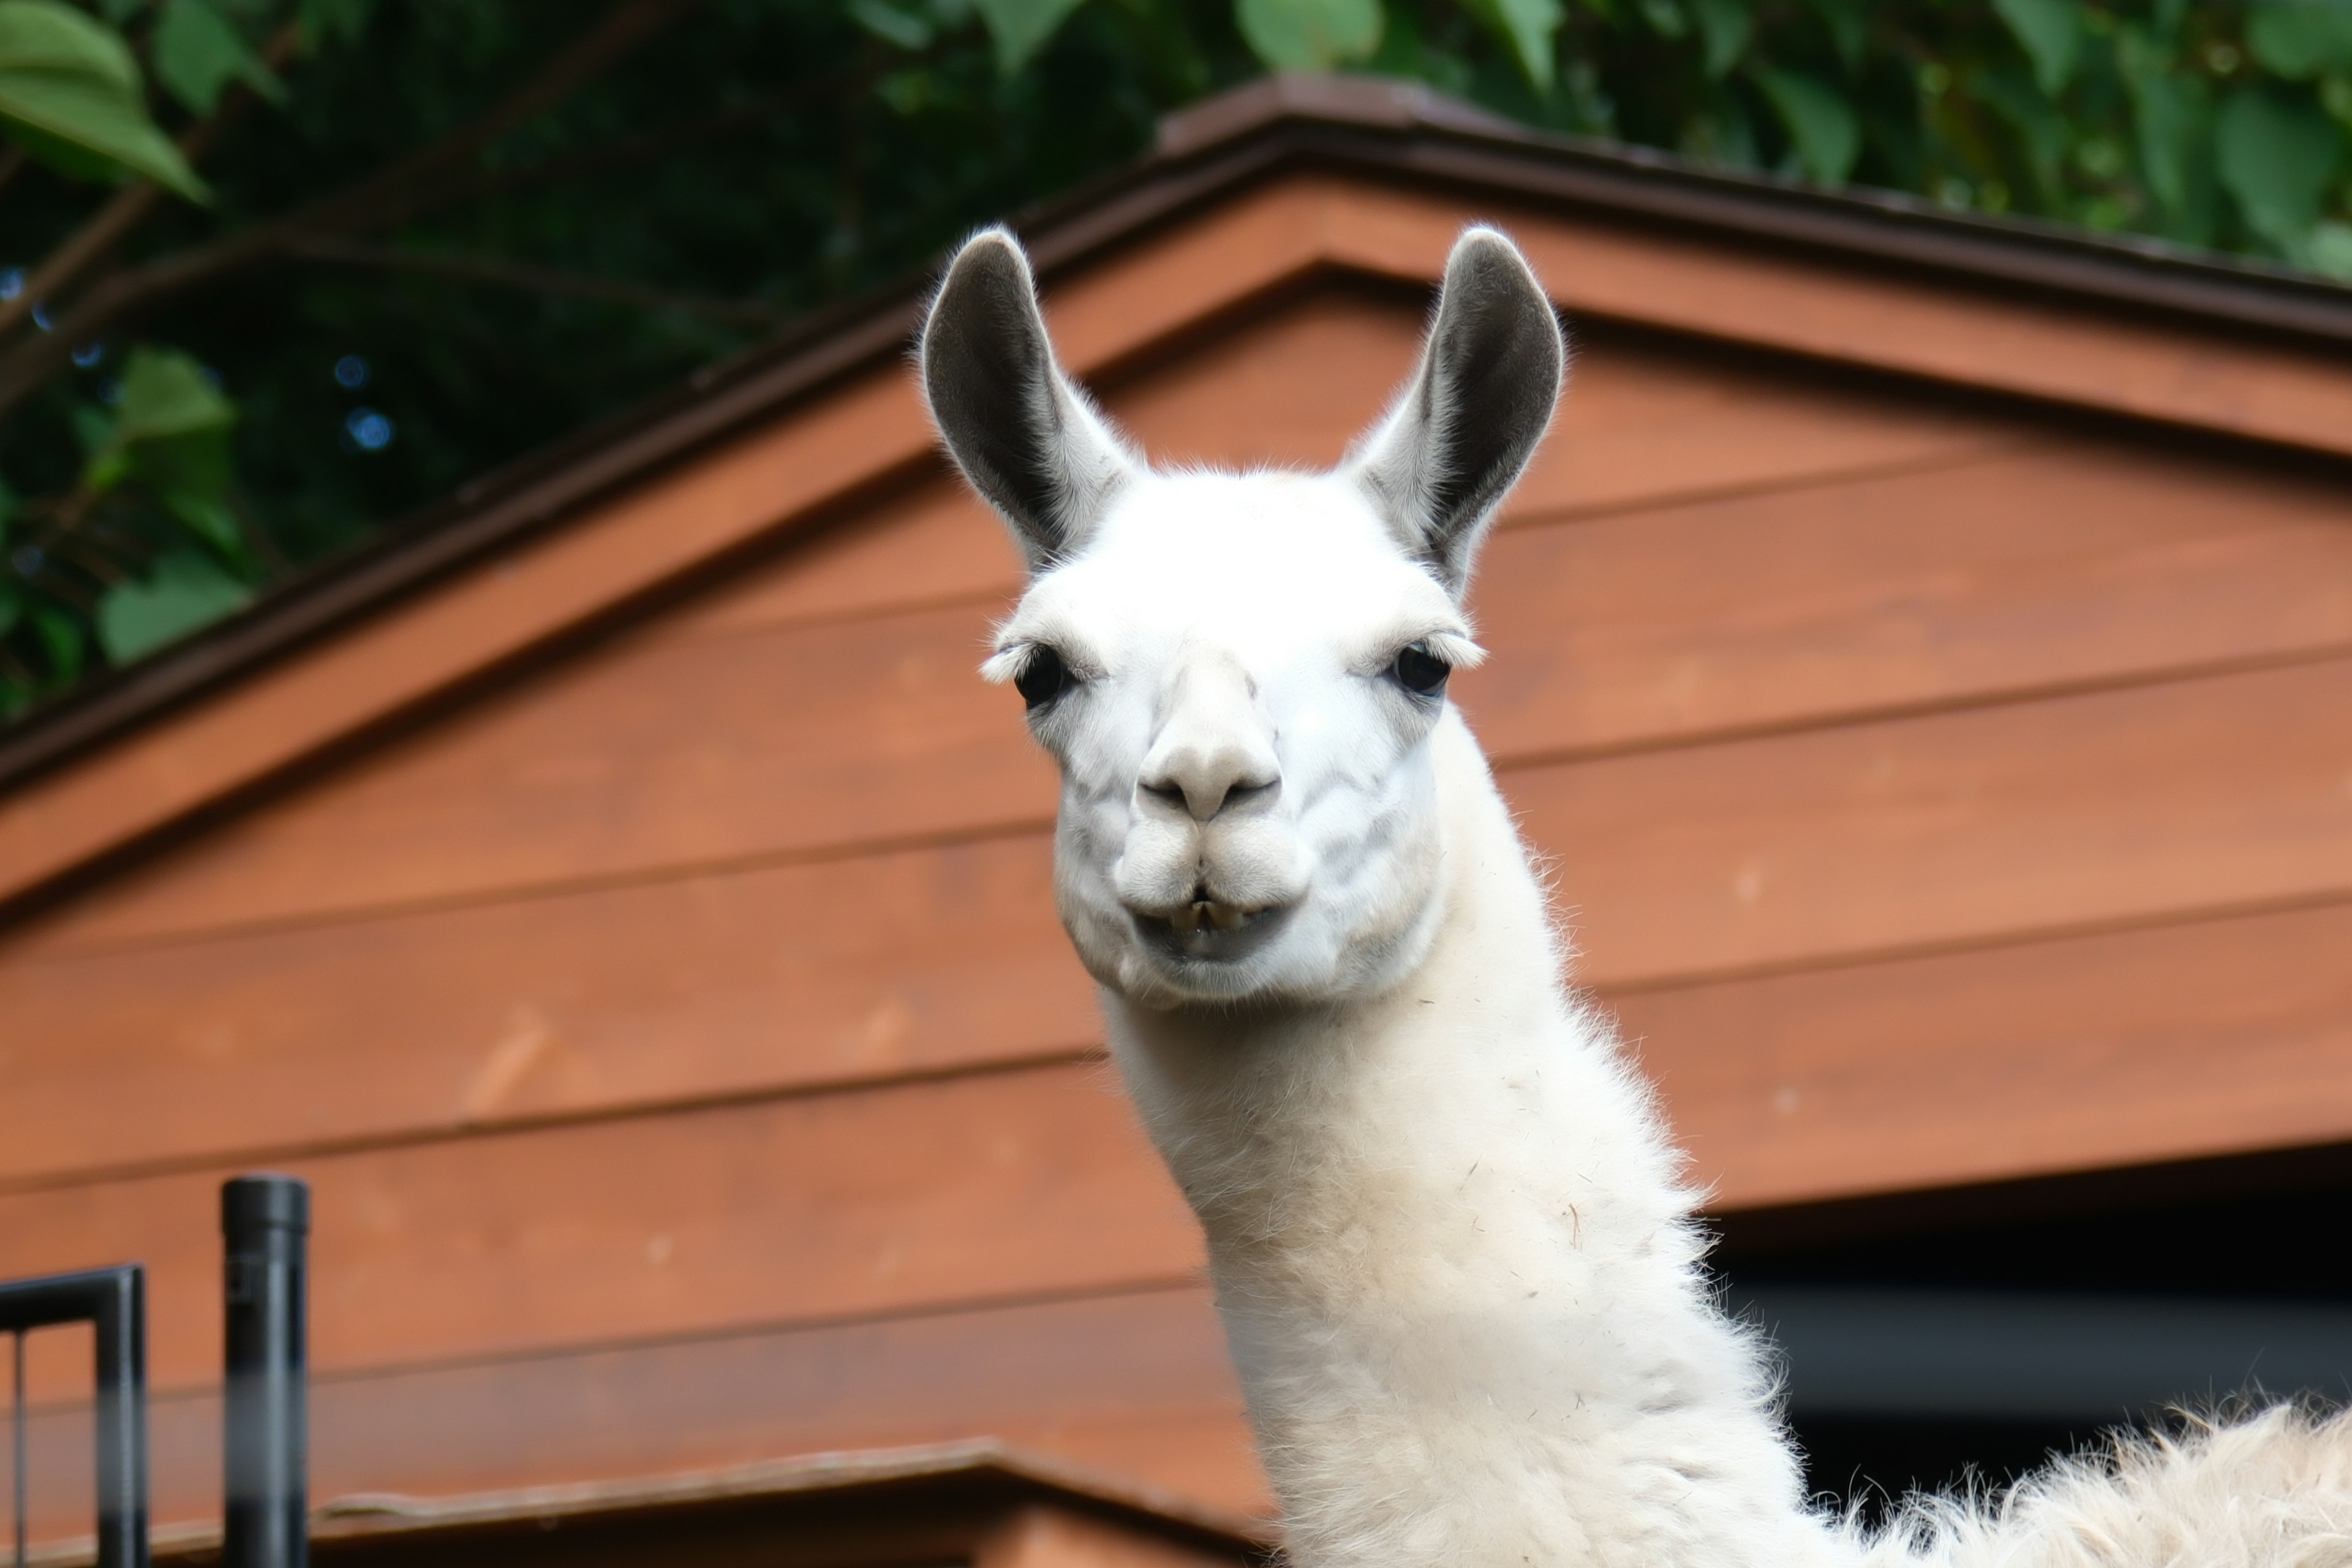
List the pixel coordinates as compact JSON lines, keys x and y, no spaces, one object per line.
{"x":114,"y":1301}
{"x":265,"y":1226}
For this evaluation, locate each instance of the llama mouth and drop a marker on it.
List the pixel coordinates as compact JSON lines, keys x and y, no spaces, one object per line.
{"x":1208,"y":931}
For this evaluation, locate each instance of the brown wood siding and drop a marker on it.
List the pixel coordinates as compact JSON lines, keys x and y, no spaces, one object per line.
{"x":1940,"y":794}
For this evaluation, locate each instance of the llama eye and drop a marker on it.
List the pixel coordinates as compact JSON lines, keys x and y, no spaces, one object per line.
{"x":1043,"y":678}
{"x":1420,"y":672}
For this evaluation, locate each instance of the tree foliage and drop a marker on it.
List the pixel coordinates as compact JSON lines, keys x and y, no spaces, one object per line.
{"x":275,"y":272}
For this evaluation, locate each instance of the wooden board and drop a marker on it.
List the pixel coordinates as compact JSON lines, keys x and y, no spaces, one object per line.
{"x":1645,"y":421}
{"x":2071,"y":562}
{"x":260,"y":1046}
{"x":1133,"y":1384}
{"x":802,"y":739}
{"x":1961,"y":826}
{"x":1003,"y":1187}
{"x":2120,"y":1048}
{"x":933,"y":543}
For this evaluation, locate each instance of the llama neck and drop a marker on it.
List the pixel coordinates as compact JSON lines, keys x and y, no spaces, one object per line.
{"x":1455,"y":1262}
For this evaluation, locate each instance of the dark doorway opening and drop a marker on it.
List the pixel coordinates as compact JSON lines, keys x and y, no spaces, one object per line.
{"x":1961,"y":1338}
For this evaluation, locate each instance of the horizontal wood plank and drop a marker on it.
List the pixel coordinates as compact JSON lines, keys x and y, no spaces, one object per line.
{"x":1014,"y":1184}
{"x":2069,"y":562}
{"x":1952,"y":828}
{"x":1643,"y":422}
{"x":732,"y":983}
{"x":933,"y":543}
{"x":1135,"y":1384}
{"x":2121,"y":1048}
{"x":801,"y":739}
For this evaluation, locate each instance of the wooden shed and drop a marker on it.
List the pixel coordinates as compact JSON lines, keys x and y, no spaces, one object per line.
{"x":1924,"y":647}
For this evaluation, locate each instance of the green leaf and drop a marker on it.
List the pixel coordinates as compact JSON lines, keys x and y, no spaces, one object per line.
{"x":62,"y":640}
{"x":121,"y":11}
{"x":889,"y":24}
{"x":2170,"y":120}
{"x":170,"y":435}
{"x":211,"y":520}
{"x":2299,"y":39}
{"x":2051,"y":34}
{"x":2335,"y":96}
{"x":1020,"y":28}
{"x":1821,"y":126}
{"x":2329,"y":250}
{"x":1528,"y":26}
{"x":165,"y":393}
{"x":1847,"y":30}
{"x":1309,"y":35}
{"x":198,"y":52}
{"x":94,"y":428}
{"x":2041,"y":132}
{"x":183,"y":592}
{"x":45,"y":35}
{"x":1724,"y":28}
{"x":12,"y":605}
{"x":70,"y":95}
{"x":2276,"y":156}
{"x":340,"y":20}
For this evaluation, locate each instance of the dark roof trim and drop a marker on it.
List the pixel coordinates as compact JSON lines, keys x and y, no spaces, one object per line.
{"x":1210,"y":149}
{"x":1448,"y":140}
{"x":882,"y":1479}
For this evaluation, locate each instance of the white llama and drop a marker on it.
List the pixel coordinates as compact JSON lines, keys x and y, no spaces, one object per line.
{"x":1451,"y":1247}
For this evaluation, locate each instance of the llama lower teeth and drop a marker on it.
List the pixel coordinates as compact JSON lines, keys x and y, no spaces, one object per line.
{"x":1192,"y":918}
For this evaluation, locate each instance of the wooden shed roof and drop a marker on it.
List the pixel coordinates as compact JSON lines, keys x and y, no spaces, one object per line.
{"x":1307,"y":175}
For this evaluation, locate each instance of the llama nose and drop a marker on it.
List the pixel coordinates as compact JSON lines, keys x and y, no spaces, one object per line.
{"x":1205,"y":780}
{"x":1213,"y":751}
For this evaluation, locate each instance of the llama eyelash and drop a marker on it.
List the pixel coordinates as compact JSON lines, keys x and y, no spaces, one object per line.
{"x":1456,"y":650}
{"x":1006,"y":663}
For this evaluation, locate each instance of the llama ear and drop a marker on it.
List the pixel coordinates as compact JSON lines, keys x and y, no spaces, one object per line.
{"x":1445,"y":454}
{"x":1029,"y":441}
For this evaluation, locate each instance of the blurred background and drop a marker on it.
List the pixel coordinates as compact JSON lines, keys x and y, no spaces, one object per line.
{"x":487,"y":723}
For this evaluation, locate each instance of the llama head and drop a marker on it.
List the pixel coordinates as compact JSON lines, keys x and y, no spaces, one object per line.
{"x":1241,"y":674}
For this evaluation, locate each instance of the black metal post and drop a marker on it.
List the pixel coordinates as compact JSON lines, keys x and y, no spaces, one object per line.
{"x":114,"y":1301}
{"x":16,"y":1441}
{"x":121,"y":1324}
{"x":266,"y":1221}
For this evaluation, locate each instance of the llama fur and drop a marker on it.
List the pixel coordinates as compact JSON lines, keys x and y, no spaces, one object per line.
{"x":1453,"y":1249}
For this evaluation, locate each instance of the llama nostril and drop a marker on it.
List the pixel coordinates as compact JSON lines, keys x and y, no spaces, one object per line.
{"x":1205,"y":797}
{"x":1248,"y":794}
